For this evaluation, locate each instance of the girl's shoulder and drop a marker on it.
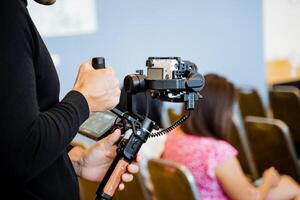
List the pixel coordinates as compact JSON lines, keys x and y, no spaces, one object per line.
{"x":219,"y":146}
{"x":216,"y":146}
{"x":217,"y":143}
{"x":218,"y":151}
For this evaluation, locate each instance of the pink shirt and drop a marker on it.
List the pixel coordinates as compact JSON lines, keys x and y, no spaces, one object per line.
{"x":201,"y":155}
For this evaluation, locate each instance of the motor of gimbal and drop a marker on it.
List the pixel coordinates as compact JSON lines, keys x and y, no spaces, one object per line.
{"x":168,"y":79}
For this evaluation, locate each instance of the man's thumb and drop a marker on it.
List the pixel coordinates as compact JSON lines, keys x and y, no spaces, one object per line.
{"x":114,"y":137}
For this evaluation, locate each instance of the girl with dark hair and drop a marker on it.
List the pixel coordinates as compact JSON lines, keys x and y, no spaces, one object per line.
{"x":199,"y":143}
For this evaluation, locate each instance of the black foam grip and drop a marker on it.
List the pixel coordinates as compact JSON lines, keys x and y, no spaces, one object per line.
{"x":98,"y":63}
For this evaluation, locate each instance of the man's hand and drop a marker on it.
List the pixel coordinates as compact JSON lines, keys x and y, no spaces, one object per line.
{"x":99,"y":87}
{"x":93,"y":163}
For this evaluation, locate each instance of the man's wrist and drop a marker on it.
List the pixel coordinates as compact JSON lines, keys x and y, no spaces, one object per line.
{"x":76,"y":156}
{"x":85,"y":95}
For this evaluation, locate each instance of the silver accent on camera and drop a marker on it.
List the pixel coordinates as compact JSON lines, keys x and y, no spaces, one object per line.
{"x":161,"y":69}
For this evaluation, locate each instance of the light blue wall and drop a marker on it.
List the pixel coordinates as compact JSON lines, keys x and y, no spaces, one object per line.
{"x":219,"y":36}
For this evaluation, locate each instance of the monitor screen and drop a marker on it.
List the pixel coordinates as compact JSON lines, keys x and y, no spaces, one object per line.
{"x":98,"y":124}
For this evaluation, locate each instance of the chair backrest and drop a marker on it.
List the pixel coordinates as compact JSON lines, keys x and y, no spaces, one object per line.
{"x":136,"y":189}
{"x":173,"y":116}
{"x":271,"y":145}
{"x":172,"y":181}
{"x":238,"y":138}
{"x":250,"y":102}
{"x":285,"y":104}
{"x":87,"y":189}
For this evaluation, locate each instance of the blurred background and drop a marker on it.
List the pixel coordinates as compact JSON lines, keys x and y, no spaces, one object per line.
{"x":224,"y":37}
{"x":255,"y":44}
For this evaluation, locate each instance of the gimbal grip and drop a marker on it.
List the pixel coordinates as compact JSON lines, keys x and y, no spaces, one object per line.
{"x":115,"y":178}
{"x":121,"y":166}
{"x":98,"y":62}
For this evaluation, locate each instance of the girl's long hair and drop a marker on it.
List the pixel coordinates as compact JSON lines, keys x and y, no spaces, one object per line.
{"x":212,"y":114}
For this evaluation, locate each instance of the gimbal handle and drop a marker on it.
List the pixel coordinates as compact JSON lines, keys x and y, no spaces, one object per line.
{"x":113,"y":176}
{"x":99,"y":63}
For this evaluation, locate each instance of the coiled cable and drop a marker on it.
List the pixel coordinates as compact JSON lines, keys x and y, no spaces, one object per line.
{"x":173,"y":126}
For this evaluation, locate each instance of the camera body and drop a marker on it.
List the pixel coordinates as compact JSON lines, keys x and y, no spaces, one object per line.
{"x":166,"y":68}
{"x":167,"y":79}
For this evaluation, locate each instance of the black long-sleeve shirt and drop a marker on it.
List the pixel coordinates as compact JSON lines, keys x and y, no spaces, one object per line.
{"x":35,"y":128}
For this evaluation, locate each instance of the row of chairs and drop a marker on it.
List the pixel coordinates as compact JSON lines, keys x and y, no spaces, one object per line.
{"x":261,"y":139}
{"x":264,"y":140}
{"x":170,"y":180}
{"x":284,"y":105}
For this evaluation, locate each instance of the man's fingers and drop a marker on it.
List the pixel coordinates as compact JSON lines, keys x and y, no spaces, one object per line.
{"x":133,"y":168}
{"x":138,"y":158}
{"x":86,"y":65}
{"x":114,"y":137}
{"x":127,"y":177}
{"x":109,"y":140}
{"x":121,"y":186}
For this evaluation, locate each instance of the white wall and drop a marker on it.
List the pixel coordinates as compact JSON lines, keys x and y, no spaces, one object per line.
{"x":281,"y":19}
{"x":219,"y":36}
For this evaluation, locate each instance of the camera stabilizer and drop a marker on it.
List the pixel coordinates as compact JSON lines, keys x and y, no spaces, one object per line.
{"x":168,"y":79}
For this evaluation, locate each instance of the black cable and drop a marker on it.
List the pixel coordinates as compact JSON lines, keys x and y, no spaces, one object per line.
{"x":173,"y":126}
{"x":147,"y":104}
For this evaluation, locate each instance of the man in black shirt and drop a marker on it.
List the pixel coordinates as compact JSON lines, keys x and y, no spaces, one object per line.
{"x":35,"y":127}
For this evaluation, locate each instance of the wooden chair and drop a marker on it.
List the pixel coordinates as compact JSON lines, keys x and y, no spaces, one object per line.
{"x":87,"y":189}
{"x":285,"y":104}
{"x":271,"y":145}
{"x":172,"y":181}
{"x":135,"y":189}
{"x":173,"y":116}
{"x":238,"y":138}
{"x":250,"y":103}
